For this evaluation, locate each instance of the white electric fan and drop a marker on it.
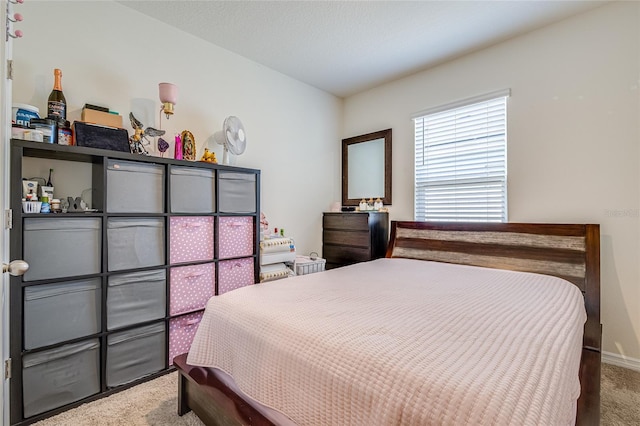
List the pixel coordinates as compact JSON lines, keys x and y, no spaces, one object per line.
{"x":232,"y":137}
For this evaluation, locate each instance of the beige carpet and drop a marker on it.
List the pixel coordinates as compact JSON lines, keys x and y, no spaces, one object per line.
{"x":155,"y":403}
{"x":620,"y":396}
{"x":151,"y":403}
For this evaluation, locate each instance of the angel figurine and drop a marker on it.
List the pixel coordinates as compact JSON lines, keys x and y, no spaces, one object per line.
{"x":140,"y":137}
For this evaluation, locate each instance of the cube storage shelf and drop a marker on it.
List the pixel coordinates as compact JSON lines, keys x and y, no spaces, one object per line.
{"x":111,"y":296}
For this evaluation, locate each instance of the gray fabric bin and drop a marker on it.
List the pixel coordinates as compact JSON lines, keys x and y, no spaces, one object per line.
{"x":136,"y":297}
{"x":135,"y":243}
{"x":54,"y":313}
{"x":60,"y":376}
{"x":61,"y":247}
{"x":237,"y":192}
{"x":192,"y":190}
{"x":134,"y":187}
{"x":136,"y":353}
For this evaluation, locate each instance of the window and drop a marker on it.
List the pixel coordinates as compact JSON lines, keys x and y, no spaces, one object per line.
{"x":460,"y":161}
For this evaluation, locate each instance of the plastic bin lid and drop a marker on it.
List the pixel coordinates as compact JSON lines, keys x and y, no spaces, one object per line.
{"x":27,"y":107}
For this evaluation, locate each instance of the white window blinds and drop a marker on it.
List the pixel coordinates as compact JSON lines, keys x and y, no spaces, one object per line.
{"x":460,"y":163}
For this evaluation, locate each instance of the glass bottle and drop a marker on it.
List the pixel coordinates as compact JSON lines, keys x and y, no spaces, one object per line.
{"x":57,"y":104}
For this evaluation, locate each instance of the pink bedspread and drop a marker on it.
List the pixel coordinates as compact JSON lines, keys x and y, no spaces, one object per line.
{"x":402,"y":342}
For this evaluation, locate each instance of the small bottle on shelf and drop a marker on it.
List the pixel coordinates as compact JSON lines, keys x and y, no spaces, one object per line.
{"x":57,"y":103}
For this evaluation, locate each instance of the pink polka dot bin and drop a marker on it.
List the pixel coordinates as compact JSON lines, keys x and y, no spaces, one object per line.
{"x":234,"y":274}
{"x":236,"y":236}
{"x":191,"y":238}
{"x":181,"y":333}
{"x":191,"y":287}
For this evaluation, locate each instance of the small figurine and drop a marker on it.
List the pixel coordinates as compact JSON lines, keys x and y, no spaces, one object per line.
{"x":162,"y":146}
{"x":264,"y":224}
{"x":188,"y":145}
{"x":209,"y":157}
{"x":136,"y":144}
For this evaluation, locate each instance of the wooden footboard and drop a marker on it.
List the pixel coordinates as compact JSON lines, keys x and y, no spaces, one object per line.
{"x":213,"y":402}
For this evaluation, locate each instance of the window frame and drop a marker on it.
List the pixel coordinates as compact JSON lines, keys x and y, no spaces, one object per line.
{"x":453,"y":182}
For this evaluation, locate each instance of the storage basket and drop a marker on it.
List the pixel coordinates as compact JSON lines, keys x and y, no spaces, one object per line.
{"x":305,"y":265}
{"x":31,"y":206}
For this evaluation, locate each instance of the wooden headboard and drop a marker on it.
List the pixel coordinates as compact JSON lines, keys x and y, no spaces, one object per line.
{"x":571,"y":252}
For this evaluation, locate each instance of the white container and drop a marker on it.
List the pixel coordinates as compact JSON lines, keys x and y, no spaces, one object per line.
{"x":33,"y":135}
{"x":31,"y":206}
{"x":306,"y":265}
{"x":23,"y":113}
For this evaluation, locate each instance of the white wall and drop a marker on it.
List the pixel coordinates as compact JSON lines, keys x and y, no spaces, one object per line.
{"x":573,"y":135}
{"x":573,"y":119}
{"x":114,"y":56}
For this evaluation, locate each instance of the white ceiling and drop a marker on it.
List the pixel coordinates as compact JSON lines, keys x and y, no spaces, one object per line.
{"x":344,"y":47}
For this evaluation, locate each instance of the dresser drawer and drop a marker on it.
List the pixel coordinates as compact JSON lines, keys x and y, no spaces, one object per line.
{"x":347,"y":238}
{"x":350,"y":221}
{"x":344,"y":254}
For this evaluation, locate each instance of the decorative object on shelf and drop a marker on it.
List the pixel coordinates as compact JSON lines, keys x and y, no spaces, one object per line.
{"x":168,"y":97}
{"x":77,"y":205}
{"x":377,"y":205}
{"x":57,"y":103}
{"x":188,"y":145}
{"x":363,"y":205}
{"x":264,"y":223}
{"x":232,"y":137}
{"x":178,"y":148}
{"x":209,"y":157}
{"x":136,"y":141}
{"x":162,"y":146}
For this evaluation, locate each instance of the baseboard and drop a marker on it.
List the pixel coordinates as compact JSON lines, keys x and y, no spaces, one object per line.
{"x":621,"y":360}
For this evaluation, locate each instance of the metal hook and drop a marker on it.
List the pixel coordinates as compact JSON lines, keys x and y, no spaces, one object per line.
{"x":16,"y":34}
{"x":17,"y":17}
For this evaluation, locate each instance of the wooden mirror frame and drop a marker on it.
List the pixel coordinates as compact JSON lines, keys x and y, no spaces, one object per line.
{"x":381,"y":134}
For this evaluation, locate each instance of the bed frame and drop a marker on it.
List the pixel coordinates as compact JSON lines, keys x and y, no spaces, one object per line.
{"x":571,"y":252}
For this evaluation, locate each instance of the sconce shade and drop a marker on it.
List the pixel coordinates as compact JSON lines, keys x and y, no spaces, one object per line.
{"x":168,"y":97}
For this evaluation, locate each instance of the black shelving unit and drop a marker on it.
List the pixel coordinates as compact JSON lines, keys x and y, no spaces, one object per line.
{"x":99,"y":160}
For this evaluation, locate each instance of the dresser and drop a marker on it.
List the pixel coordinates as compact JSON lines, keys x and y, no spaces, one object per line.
{"x":113,"y":294}
{"x":354,"y":237}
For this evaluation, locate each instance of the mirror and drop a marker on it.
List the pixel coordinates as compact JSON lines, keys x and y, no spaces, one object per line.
{"x":366,"y":168}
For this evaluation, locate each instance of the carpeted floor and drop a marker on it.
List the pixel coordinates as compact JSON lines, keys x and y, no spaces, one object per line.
{"x":155,"y":403}
{"x":619,"y":396}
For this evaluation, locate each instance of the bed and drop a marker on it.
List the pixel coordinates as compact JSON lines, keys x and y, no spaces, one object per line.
{"x":503,"y":342}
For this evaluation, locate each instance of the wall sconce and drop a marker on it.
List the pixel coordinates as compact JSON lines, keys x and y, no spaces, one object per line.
{"x":168,"y":97}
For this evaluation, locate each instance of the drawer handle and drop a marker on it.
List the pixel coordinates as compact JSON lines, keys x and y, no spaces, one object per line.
{"x":194,"y":275}
{"x":192,"y":225}
{"x":236,"y":224}
{"x":192,"y":322}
